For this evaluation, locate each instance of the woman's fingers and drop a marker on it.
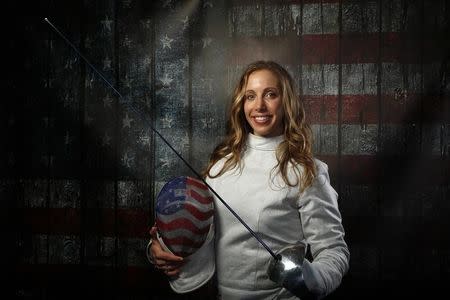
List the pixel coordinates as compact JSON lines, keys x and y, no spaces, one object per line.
{"x":168,"y":267}
{"x":172,"y":273}
{"x":153,"y":231}
{"x":160,"y":255}
{"x":165,"y":261}
{"x":166,"y":256}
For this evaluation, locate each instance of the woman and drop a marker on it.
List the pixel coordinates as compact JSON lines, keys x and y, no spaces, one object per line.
{"x":266,"y":172}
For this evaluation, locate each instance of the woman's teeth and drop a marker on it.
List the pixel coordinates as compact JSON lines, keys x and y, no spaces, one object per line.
{"x":261,"y":119}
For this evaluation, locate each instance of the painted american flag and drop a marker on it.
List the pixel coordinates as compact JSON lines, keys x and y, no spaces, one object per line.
{"x":373,"y":77}
{"x":184,"y":214}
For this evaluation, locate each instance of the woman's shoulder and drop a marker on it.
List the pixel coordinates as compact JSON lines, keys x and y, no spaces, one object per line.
{"x":321,"y":167}
{"x":218,"y":166}
{"x":322,"y":176}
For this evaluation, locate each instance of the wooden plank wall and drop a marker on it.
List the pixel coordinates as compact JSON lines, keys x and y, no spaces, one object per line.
{"x":79,"y":172}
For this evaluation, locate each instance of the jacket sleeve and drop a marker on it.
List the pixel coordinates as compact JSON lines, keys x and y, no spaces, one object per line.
{"x":323,"y":231}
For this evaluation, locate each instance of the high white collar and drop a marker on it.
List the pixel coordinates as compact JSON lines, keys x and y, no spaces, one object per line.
{"x":264,"y":143}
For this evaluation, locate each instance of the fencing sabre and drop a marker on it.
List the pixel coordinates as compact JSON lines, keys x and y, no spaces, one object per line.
{"x":285,"y":267}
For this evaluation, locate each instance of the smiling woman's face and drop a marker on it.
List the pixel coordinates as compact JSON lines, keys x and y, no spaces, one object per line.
{"x":262,"y":104}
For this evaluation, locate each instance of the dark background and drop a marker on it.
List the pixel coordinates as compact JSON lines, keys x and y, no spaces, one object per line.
{"x":79,"y":172}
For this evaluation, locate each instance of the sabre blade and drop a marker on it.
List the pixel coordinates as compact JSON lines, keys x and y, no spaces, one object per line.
{"x":130,"y":105}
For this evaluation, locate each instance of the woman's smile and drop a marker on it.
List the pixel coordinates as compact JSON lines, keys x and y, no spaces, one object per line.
{"x":262,"y":104}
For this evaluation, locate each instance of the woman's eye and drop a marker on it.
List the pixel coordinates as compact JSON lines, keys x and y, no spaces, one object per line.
{"x":250,"y":97}
{"x":271,"y":95}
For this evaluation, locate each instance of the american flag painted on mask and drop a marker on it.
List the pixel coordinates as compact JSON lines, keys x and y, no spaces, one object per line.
{"x":184,"y":214}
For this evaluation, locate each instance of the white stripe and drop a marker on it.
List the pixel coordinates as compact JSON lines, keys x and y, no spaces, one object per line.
{"x":356,"y":139}
{"x":185,"y":214}
{"x":361,"y":79}
{"x":319,"y":18}
{"x":183,"y":232}
{"x":182,"y":248}
{"x":312,"y":18}
{"x":320,"y":79}
{"x":359,"y":140}
{"x":325,"y":139}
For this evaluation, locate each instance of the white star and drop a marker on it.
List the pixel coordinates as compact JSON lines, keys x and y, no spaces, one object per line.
{"x":106,"y":140}
{"x":127,"y":3}
{"x":126,"y":41}
{"x":127,"y":160}
{"x":166,"y":41}
{"x":70,"y":62}
{"x":67,"y":138}
{"x":87,"y":42}
{"x":67,"y":100}
{"x":48,"y":83}
{"x":206,"y":42}
{"x":127,"y":81}
{"x":166,"y":80}
{"x":185,"y":22}
{"x":47,"y":159}
{"x":207,"y":122}
{"x":127,"y":121}
{"x":165,"y":161}
{"x":147,"y":61}
{"x":11,"y":159}
{"x":49,"y":42}
{"x":207,"y":3}
{"x":166,"y":122}
{"x":48,"y":122}
{"x":107,"y":101}
{"x":89,"y":81}
{"x":146,"y":23}
{"x":144,"y":139}
{"x":106,"y":64}
{"x":185,"y":62}
{"x":106,"y":24}
{"x":11,"y":121}
{"x":87,"y":119}
{"x":184,"y":141}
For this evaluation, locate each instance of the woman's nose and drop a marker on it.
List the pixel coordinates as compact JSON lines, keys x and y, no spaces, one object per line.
{"x":260,"y":104}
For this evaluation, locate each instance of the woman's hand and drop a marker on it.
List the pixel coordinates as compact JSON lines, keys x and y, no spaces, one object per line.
{"x":165,"y":261}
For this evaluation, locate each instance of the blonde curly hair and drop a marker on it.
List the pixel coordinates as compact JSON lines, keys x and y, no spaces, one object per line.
{"x":296,"y":149}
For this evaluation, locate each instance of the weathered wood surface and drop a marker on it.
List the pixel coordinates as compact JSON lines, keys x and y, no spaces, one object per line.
{"x":79,"y":173}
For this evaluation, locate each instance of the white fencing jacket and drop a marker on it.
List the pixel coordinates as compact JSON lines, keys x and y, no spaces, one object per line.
{"x":280,"y":215}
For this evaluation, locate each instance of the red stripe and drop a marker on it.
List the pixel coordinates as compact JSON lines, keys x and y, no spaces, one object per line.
{"x":102,"y":221}
{"x":324,"y":48}
{"x":198,"y":214}
{"x":183,"y":253}
{"x":196,"y":183}
{"x":134,"y":223}
{"x":98,"y":277}
{"x":364,"y":109}
{"x":356,"y":109}
{"x":182,"y":223}
{"x":284,"y":2}
{"x":368,"y":169}
{"x":184,"y":241}
{"x":321,"y":109}
{"x":320,"y":49}
{"x":200,"y":198}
